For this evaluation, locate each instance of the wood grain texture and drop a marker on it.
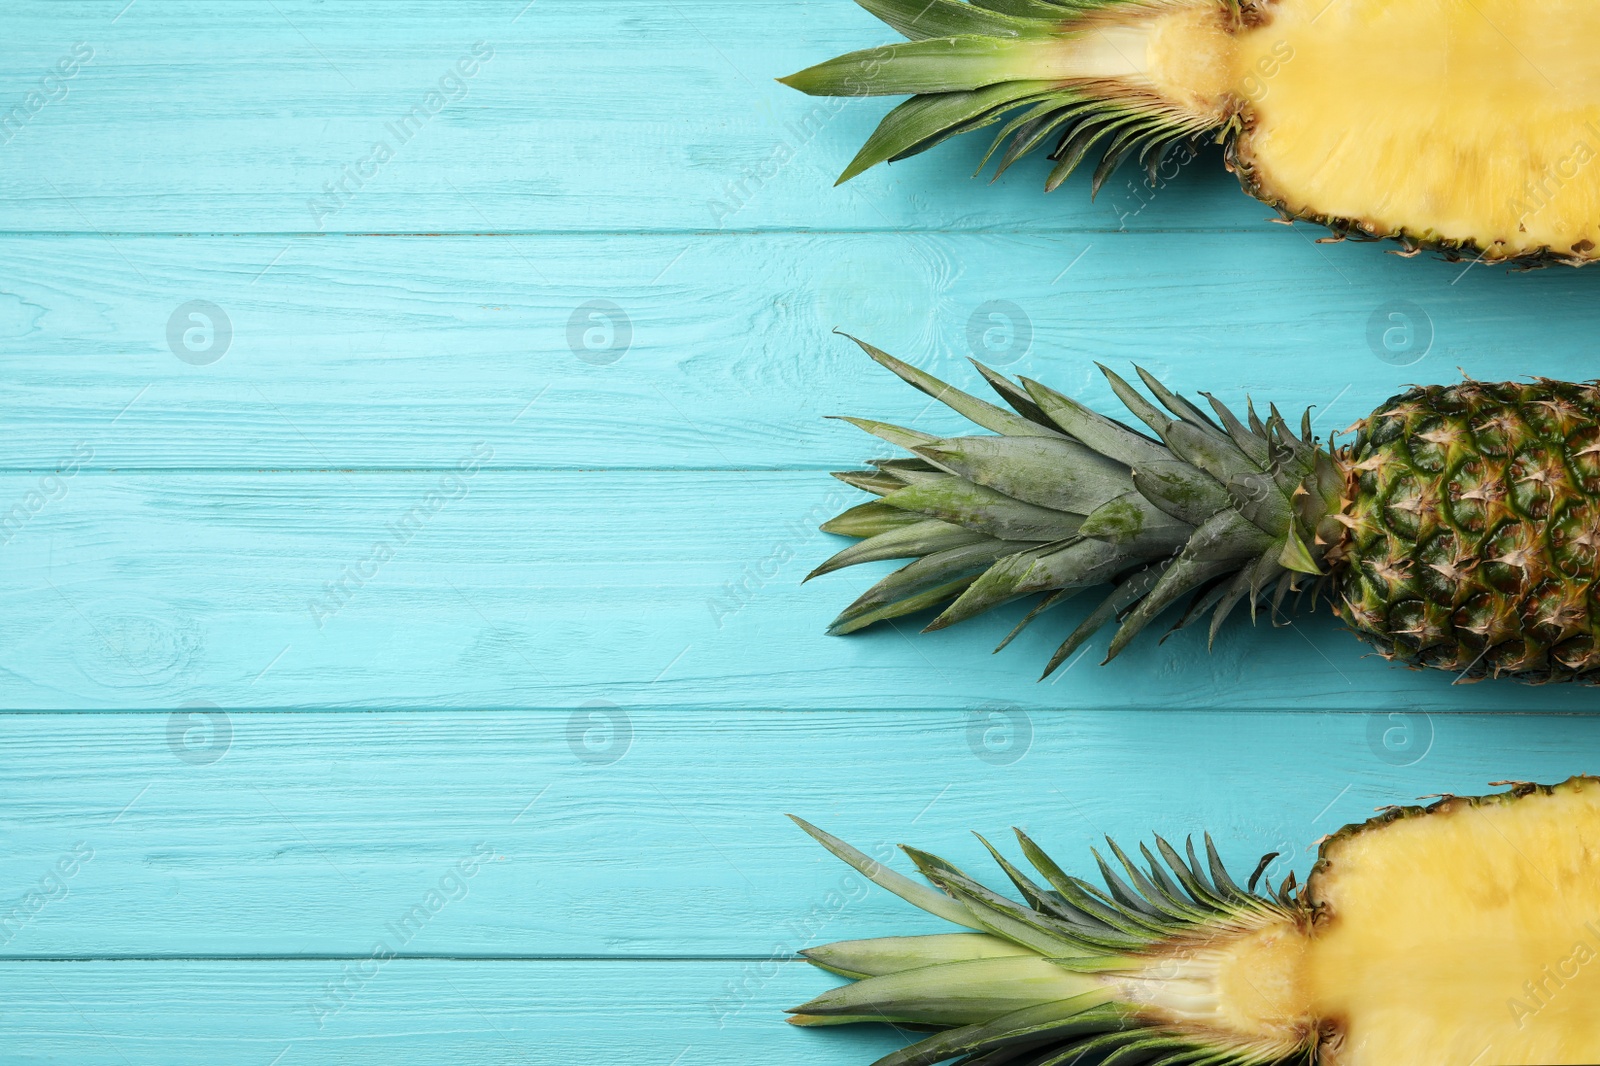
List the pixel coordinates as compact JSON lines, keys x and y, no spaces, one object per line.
{"x":589,"y":662}
{"x":400,"y":352}
{"x":651,"y":589}
{"x":256,"y":116}
{"x":488,"y":1013}
{"x":619,"y":833}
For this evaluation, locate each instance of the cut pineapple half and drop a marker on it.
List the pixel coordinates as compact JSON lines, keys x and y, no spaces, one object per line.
{"x":1464,"y":932}
{"x":1466,"y":126}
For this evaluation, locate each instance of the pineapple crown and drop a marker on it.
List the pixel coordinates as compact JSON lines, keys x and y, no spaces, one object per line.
{"x":1074,"y":971}
{"x":971,"y":65}
{"x":1062,"y":499}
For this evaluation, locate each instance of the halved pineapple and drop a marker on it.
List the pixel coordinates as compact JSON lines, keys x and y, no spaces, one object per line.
{"x":1467,"y":126}
{"x":1465,"y":932}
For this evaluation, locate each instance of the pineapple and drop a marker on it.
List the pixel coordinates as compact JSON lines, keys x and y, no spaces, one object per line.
{"x":1463,"y":126}
{"x":1459,"y":528}
{"x":1465,"y":932}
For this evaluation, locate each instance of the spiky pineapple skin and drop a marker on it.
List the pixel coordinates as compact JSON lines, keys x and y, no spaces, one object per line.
{"x":1473,"y":530}
{"x":1342,"y":228}
{"x":1445,"y":804}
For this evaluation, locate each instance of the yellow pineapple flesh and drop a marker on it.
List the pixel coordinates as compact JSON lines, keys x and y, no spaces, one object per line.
{"x":1458,"y":119}
{"x":1469,"y":126}
{"x":1469,"y":935}
{"x":1465,"y":932}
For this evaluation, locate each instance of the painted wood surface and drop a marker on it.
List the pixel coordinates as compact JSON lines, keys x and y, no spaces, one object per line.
{"x":258,"y":117}
{"x":718,"y":352}
{"x":544,"y":590}
{"x":271,"y":1013}
{"x":578,"y":308}
{"x":607,"y":833}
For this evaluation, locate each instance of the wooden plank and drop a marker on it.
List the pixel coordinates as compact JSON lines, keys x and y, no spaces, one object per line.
{"x":303,"y":117}
{"x":491,"y":589}
{"x":493,"y":1014}
{"x":405,"y":352}
{"x":618,"y":832}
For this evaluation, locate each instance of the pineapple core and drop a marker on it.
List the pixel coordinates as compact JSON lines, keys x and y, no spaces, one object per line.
{"x":1444,"y":120}
{"x":1467,"y":936}
{"x":1471,"y":935}
{"x":1242,"y":991}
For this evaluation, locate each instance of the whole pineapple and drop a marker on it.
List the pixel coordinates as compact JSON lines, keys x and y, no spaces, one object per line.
{"x":1460,"y":933}
{"x":1458,"y":530}
{"x":1466,"y":126}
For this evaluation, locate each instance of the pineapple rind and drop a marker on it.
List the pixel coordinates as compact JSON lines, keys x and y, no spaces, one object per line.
{"x":1473,"y":539}
{"x":1459,"y":530}
{"x":1462,"y":930}
{"x":1345,"y":228}
{"x":1443,"y":804}
{"x":1478,"y":142}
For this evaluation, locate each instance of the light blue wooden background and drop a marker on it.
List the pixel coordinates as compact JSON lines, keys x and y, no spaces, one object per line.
{"x":591,"y":674}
